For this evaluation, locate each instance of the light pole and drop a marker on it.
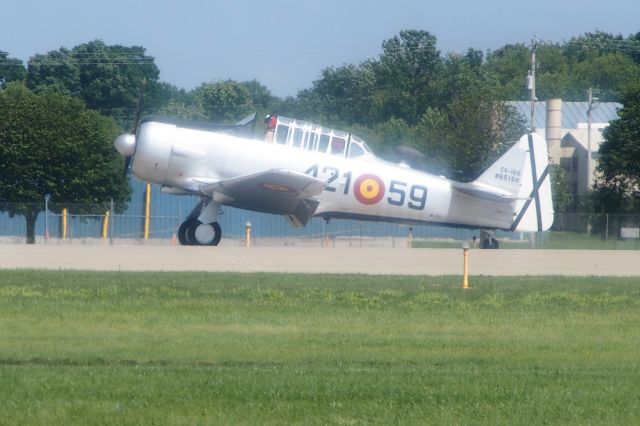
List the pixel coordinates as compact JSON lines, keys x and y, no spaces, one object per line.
{"x":531,"y":80}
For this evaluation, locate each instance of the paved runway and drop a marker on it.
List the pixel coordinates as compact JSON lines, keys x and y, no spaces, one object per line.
{"x":318,"y":259}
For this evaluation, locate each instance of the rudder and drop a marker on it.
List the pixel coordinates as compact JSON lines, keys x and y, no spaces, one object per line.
{"x":523,"y":171}
{"x":535,"y":213}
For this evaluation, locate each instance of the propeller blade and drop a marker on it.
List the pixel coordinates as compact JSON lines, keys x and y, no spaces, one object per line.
{"x":127,"y":163}
{"x":129,"y":155}
{"x":139,"y":106}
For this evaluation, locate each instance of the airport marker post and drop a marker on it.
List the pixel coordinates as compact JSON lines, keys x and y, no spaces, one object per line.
{"x":65,"y":214}
{"x":247,"y":234}
{"x":465,"y":265}
{"x":147,"y":211}
{"x":105,"y":225}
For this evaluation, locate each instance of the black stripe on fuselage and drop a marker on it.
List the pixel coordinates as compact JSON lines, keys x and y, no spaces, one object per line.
{"x":533,"y":195}
{"x":534,"y":178}
{"x":394,"y":219}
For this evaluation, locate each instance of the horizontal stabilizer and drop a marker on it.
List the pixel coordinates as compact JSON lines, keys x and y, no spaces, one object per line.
{"x":485,"y":192}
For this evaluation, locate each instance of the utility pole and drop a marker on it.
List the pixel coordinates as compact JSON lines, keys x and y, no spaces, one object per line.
{"x":591,"y":107}
{"x":531,"y":80}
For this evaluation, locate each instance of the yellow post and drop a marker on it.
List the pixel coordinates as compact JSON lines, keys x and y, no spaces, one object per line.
{"x":105,"y":225}
{"x":64,"y":223}
{"x":465,"y":267}
{"x":147,"y":210}
{"x":247,"y":234}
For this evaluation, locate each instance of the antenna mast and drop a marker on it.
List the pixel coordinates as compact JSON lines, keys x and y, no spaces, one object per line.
{"x":592,"y":105}
{"x":531,"y":80}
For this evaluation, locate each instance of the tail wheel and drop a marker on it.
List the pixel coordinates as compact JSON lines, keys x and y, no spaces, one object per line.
{"x":203,"y":234}
{"x":490,"y":243}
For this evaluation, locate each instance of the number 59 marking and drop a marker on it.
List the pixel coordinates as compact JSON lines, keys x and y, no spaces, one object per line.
{"x":417,"y":195}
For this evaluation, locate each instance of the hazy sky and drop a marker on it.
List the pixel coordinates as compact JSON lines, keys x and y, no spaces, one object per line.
{"x":284,"y":44}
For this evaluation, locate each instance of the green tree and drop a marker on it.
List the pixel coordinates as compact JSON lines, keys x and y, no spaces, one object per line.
{"x":224,"y":101}
{"x":391,"y":133}
{"x":107,"y":78}
{"x":343,"y":94}
{"x":51,"y":144}
{"x":618,"y":182}
{"x":183,"y":110}
{"x":56,"y":71}
{"x":509,"y":66}
{"x":565,"y":70}
{"x":261,"y":97}
{"x":610,"y":73}
{"x":553,"y":76}
{"x":408,"y":76}
{"x":563,"y":199}
{"x":178,"y":103}
{"x":464,"y":138}
{"x":462,"y":74}
{"x":11,"y":69}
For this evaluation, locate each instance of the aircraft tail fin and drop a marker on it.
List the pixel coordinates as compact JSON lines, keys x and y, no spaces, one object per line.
{"x":523,"y":172}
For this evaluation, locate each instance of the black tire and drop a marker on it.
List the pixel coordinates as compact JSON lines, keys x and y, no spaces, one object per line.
{"x":195,"y":237}
{"x":490,"y":243}
{"x":183,"y":232}
{"x":494,"y":243}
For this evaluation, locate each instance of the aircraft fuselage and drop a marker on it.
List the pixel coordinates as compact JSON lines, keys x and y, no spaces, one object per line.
{"x":183,"y":159}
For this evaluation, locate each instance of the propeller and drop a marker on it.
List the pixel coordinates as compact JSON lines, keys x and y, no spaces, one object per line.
{"x":126,"y":143}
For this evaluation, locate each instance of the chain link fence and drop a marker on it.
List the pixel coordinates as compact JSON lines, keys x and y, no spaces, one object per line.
{"x":92,"y":224}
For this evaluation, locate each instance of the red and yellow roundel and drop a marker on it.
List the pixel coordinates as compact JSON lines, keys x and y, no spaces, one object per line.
{"x":368,"y":189}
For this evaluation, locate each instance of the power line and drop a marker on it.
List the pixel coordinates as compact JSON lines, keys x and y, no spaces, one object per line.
{"x":117,"y":58}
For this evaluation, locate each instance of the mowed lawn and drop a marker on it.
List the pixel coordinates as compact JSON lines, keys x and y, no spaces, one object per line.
{"x":206,"y":348}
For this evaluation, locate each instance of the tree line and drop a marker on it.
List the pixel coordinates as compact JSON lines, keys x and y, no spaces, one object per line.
{"x":451,"y":106}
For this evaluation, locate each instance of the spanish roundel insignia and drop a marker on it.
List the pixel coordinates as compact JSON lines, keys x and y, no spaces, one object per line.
{"x":368,"y":189}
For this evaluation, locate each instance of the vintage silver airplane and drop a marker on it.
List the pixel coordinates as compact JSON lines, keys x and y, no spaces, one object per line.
{"x":301,"y":170}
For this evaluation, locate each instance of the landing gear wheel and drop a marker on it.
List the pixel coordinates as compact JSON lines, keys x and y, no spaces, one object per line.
{"x":490,"y":243}
{"x":183,"y":234}
{"x":203,"y":234}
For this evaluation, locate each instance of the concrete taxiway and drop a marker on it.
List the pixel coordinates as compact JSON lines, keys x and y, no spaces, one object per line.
{"x":319,"y":259}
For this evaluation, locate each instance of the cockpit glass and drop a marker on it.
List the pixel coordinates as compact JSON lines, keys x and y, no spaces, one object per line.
{"x":297,"y":137}
{"x":355,"y":150}
{"x":324,"y":142}
{"x":281,"y":134}
{"x":311,"y":141}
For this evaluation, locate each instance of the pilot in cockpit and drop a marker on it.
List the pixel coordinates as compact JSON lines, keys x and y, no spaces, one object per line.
{"x":337,"y":146}
{"x":269,"y":127}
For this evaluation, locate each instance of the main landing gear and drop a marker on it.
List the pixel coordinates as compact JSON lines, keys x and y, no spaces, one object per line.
{"x":201,"y":227}
{"x":192,"y":232}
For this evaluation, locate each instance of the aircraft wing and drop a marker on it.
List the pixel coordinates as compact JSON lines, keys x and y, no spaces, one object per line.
{"x":485,"y":192}
{"x":273,"y":191}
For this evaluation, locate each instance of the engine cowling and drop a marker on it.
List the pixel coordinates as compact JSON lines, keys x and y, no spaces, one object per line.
{"x":153,"y":145}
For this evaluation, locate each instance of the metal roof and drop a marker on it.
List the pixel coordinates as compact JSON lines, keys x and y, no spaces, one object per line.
{"x":572,"y":112}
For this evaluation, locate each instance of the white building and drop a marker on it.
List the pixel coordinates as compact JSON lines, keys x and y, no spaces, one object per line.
{"x":565,"y":126}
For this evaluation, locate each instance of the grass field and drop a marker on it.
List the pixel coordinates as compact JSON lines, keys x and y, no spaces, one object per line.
{"x":174,"y":348}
